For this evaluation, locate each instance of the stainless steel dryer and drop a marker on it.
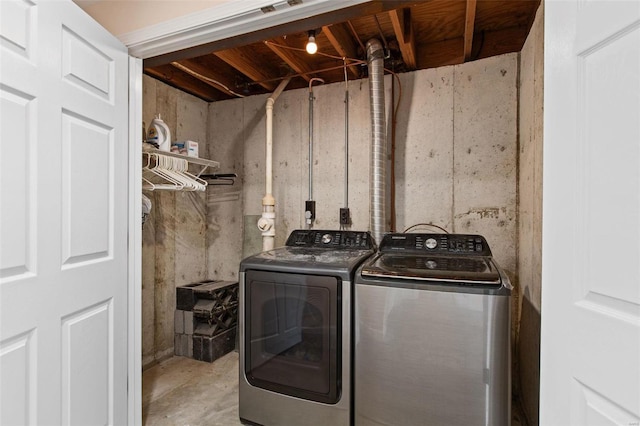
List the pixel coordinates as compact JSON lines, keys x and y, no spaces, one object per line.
{"x":432,"y":337}
{"x":295,"y":324}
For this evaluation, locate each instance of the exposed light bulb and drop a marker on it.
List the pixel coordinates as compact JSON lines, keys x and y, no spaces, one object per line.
{"x":312,"y":47}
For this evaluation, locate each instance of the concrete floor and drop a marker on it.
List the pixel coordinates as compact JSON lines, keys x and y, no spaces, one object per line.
{"x":185,"y":392}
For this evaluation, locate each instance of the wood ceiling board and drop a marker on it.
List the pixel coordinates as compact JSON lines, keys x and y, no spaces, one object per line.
{"x":324,"y":43}
{"x":495,"y":43}
{"x":441,"y":53}
{"x":292,"y":57}
{"x":298,"y":43}
{"x":497,"y":15}
{"x":385,"y":23}
{"x":221,"y":69}
{"x":341,"y":15}
{"x":330,"y":70}
{"x":367,"y":28}
{"x":442,"y":35}
{"x":403,"y":29}
{"x":340,"y":37}
{"x":180,"y":80}
{"x":356,"y":37}
{"x":438,"y":20}
{"x":470,"y":18}
{"x":247,"y":61}
{"x":327,"y":56}
{"x":224,"y":78}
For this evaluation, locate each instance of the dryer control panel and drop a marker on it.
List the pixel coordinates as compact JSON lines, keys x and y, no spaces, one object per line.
{"x":330,"y":239}
{"x":449,"y":244}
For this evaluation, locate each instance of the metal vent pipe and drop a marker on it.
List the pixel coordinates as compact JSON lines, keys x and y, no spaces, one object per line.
{"x":377,"y":170}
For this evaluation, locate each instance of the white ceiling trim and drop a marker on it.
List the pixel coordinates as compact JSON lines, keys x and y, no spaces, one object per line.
{"x":227,"y":20}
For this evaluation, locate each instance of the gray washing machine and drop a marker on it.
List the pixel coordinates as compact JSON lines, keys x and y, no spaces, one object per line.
{"x":295,"y":323}
{"x":432,"y":334}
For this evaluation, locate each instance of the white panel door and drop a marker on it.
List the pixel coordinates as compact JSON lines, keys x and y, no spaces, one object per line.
{"x":63,"y":224}
{"x":590,"y":349}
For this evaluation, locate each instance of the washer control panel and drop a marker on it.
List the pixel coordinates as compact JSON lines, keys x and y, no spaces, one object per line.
{"x":463,"y":244}
{"x":330,"y":239}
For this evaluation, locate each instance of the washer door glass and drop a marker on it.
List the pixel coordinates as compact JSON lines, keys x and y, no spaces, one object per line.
{"x":292,"y":335}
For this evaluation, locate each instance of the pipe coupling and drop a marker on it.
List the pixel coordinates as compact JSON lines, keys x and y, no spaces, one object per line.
{"x":268,"y":200}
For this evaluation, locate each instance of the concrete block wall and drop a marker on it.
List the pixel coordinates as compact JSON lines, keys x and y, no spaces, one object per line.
{"x":456,"y":158}
{"x":530,"y":217}
{"x":174,"y":237}
{"x":456,"y":166}
{"x":456,"y":154}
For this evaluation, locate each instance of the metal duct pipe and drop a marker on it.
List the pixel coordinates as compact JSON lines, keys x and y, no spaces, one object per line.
{"x":377,"y":177}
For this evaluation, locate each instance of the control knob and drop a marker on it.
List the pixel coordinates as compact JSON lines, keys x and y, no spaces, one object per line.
{"x":431,"y":243}
{"x":431,"y":264}
{"x":326,"y":238}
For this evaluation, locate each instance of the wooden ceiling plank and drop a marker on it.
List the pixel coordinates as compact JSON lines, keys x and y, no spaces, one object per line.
{"x":341,"y":40}
{"x":356,"y":36}
{"x":289,"y":57}
{"x":470,"y":18}
{"x":442,"y":53}
{"x":237,"y":59}
{"x":298,"y":26}
{"x":506,"y":40}
{"x":176,"y":78}
{"x":434,"y":32}
{"x":403,"y":28}
{"x":206,"y":75}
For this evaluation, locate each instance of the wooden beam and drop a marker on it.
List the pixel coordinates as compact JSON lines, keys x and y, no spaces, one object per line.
{"x":341,"y":40}
{"x":178,"y":79}
{"x":450,"y":52}
{"x":499,"y":42}
{"x":403,"y":28}
{"x":289,"y":56}
{"x":206,"y":75}
{"x":442,"y":53}
{"x":469,"y":22}
{"x":297,"y":26}
{"x":238,"y":59}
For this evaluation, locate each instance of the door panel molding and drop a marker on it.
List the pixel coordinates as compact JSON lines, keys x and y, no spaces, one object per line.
{"x":64,"y":276}
{"x":590,"y":339}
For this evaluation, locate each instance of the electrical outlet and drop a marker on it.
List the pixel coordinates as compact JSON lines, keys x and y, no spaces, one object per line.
{"x":345,"y":216}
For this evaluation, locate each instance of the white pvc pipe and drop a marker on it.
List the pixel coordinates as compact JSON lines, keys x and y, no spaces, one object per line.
{"x":267,"y":222}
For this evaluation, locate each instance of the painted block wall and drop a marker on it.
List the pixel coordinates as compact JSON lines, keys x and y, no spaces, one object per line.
{"x":530,"y":217}
{"x":174,"y":236}
{"x":456,"y":154}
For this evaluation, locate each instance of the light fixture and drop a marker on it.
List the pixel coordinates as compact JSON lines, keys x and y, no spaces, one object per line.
{"x":312,"y":47}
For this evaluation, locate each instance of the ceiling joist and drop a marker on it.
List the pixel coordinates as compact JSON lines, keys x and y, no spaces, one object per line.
{"x":205,"y":75}
{"x":343,"y":43}
{"x":240,"y":61}
{"x":469,"y":23}
{"x":403,"y":28}
{"x":421,"y":34}
{"x":283,"y":49}
{"x":178,"y":79}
